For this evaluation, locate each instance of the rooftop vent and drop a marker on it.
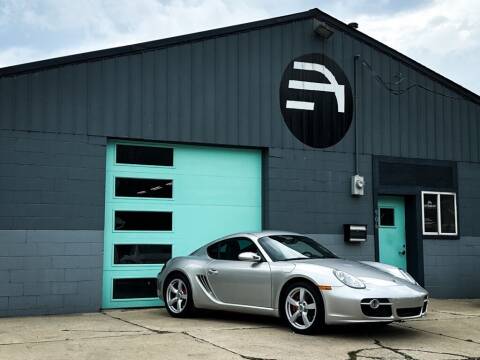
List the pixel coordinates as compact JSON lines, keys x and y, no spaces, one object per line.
{"x":353,"y":25}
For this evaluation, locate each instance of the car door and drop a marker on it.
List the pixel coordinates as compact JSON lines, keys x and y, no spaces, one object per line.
{"x":239,"y":282}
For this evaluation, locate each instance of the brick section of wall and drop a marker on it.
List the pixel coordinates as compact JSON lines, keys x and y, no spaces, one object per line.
{"x":51,"y":181}
{"x":40,"y":272}
{"x":309,"y":191}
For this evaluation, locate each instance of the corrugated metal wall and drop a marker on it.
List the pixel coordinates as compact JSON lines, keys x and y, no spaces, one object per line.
{"x":225,"y":90}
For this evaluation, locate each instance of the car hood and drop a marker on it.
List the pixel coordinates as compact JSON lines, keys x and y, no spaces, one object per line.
{"x":368,"y":274}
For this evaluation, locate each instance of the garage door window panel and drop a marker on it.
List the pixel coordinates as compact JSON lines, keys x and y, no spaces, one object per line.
{"x":134,"y":288}
{"x":143,"y":188}
{"x":143,"y":220}
{"x":125,"y":254}
{"x":144,"y":155}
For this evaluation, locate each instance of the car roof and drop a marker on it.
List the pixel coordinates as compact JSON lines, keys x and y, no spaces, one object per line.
{"x":264,"y":233}
{"x":250,"y":234}
{"x":256,"y":234}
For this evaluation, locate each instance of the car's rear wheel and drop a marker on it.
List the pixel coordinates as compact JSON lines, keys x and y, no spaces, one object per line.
{"x":302,"y":308}
{"x":178,"y":296}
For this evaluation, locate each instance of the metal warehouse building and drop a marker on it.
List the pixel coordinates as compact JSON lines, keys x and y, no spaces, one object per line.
{"x":113,"y":161}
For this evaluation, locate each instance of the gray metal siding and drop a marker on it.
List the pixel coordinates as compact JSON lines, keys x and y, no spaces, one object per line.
{"x":309,"y":192}
{"x":224,"y":90}
{"x":468,"y":199}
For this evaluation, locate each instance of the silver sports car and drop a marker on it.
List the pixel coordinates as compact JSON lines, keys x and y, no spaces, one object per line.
{"x":288,"y":275}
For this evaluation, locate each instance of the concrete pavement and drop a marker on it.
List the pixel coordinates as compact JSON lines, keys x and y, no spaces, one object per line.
{"x":450,"y":331}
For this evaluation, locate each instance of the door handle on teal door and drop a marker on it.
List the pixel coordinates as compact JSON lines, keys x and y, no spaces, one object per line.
{"x":403,"y":252}
{"x":212,"y":271}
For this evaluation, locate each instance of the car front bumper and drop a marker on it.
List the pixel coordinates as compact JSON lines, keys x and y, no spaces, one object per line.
{"x":395,"y":303}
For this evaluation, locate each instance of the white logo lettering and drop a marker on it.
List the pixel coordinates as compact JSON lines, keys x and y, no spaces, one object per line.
{"x":332,"y":86}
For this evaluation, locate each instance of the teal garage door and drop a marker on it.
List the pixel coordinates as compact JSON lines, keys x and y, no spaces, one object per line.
{"x":167,"y":200}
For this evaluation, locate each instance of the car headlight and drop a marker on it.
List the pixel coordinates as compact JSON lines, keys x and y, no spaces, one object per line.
{"x":407,"y":277}
{"x":348,"y":279}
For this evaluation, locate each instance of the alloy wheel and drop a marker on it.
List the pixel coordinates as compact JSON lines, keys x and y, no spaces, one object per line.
{"x":177,"y":296}
{"x":300,"y":308}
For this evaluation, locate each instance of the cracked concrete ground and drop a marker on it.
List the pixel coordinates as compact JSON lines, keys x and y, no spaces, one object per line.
{"x":450,"y":331}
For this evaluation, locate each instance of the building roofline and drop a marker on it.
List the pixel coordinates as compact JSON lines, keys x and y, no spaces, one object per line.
{"x":322,"y":16}
{"x":208,"y":34}
{"x":150,"y":45}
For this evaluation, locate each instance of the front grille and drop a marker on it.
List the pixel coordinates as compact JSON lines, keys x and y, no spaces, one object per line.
{"x":381,"y":311}
{"x":408,"y":312}
{"x":384,"y":309}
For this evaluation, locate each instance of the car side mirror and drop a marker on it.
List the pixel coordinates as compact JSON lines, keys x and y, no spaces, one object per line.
{"x":249,"y":256}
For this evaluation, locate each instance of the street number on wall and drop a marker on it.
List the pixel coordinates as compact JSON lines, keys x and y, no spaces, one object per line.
{"x":316,"y":100}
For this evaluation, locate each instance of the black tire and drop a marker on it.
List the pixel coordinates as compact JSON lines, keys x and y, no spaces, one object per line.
{"x":186,"y":309}
{"x":317,"y":318}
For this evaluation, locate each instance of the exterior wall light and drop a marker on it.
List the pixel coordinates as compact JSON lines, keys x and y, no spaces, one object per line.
{"x":322,"y":29}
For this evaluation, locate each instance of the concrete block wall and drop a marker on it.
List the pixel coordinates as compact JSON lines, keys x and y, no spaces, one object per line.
{"x":308,"y":191}
{"x":51,"y":181}
{"x":452,"y":267}
{"x":50,"y":271}
{"x":51,"y":222}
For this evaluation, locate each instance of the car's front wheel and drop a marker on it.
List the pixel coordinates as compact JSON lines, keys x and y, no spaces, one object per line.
{"x":302,"y":308}
{"x":178,"y":296}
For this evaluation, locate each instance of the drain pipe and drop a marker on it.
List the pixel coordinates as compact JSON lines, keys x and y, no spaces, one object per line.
{"x":355,"y":107}
{"x":358,"y":181}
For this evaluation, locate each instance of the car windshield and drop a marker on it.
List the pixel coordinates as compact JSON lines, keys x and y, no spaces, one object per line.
{"x":293,"y":247}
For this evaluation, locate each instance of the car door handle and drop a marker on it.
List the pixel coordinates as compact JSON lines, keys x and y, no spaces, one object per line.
{"x":212,"y":271}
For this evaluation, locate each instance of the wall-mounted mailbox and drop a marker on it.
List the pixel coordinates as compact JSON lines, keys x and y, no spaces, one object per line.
{"x":355,"y":233}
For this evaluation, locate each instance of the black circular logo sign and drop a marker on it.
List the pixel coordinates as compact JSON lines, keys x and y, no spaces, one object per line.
{"x":316,"y":100}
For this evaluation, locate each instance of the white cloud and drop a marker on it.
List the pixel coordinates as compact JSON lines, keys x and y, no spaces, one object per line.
{"x":437,"y":33}
{"x":17,"y":55}
{"x":442,"y":36}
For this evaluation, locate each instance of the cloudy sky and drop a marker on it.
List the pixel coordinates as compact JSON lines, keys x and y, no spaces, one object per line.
{"x":442,"y":34}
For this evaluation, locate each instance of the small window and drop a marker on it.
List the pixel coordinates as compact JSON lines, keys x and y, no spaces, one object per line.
{"x":138,"y":288}
{"x":145,"y":188}
{"x":144,"y":155}
{"x":143,"y":220}
{"x":439,"y":213}
{"x":387,"y":217}
{"x":142,"y":254}
{"x":430,"y":213}
{"x":230,"y":249}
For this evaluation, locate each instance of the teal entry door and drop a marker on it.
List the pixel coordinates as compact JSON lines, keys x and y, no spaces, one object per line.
{"x":167,"y":200}
{"x":391,"y":231}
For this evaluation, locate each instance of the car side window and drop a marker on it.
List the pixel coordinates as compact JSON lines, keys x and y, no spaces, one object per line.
{"x":212,"y":250}
{"x":230,"y":249}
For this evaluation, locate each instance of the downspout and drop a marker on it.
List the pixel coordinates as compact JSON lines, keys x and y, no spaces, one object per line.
{"x":355,"y":106}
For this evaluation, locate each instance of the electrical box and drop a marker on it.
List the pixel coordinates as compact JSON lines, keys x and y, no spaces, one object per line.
{"x":355,"y":233}
{"x":358,"y":185}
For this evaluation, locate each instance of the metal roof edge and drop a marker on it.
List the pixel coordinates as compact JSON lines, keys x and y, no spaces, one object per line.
{"x":208,"y":34}
{"x":322,"y":16}
{"x":149,"y":45}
